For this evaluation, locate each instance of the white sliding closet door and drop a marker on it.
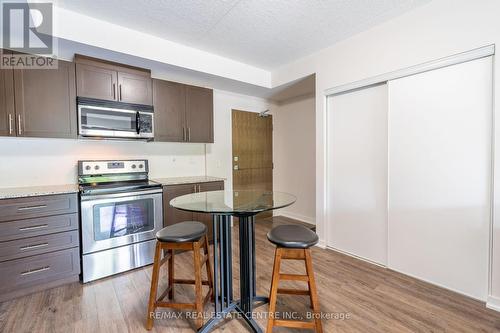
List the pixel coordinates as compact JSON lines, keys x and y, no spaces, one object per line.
{"x":440,"y":125}
{"x":357,"y":173}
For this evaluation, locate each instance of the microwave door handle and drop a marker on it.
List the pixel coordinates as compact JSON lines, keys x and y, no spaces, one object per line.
{"x":138,"y":122}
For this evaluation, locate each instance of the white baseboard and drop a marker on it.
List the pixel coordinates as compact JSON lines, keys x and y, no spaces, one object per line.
{"x":321,"y":244}
{"x":295,"y":216}
{"x":493,"y":303}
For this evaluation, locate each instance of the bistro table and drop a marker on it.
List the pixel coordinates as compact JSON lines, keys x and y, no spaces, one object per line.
{"x":244,"y":205}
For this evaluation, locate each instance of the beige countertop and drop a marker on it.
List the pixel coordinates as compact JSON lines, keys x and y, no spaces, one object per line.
{"x":33,"y":191}
{"x":186,"y":180}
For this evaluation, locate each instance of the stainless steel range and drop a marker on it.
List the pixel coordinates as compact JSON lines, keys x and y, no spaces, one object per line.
{"x":121,"y":211}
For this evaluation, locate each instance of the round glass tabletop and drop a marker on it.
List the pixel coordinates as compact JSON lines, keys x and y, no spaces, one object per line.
{"x":233,"y":202}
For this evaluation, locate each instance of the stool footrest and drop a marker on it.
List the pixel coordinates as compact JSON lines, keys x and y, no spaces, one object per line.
{"x":293,"y":291}
{"x":187,"y":281}
{"x":175,"y":305}
{"x":294,"y":277}
{"x":295,"y":323}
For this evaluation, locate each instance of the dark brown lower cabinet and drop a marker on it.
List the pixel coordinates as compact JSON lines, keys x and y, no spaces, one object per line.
{"x":172,"y":215}
{"x":39,"y":244}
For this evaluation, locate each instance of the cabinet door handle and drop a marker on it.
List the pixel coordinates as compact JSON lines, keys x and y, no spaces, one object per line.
{"x":31,"y":207}
{"x":120,"y":92}
{"x":114,"y":91}
{"x":35,"y":227}
{"x":10,"y":124}
{"x":19,"y":125}
{"x":37,"y":270}
{"x":199,"y":188}
{"x":35,"y":246}
{"x":189,"y":134}
{"x":183,"y":133}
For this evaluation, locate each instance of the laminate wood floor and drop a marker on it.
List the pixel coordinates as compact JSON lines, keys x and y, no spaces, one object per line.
{"x":359,"y":297}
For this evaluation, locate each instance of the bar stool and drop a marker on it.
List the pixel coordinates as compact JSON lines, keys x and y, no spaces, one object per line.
{"x":189,"y":235}
{"x":293,"y":242}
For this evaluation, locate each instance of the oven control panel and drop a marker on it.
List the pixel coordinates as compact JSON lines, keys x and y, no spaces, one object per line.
{"x":112,"y":167}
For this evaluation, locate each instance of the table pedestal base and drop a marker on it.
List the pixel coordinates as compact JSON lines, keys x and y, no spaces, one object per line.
{"x":225,"y":305}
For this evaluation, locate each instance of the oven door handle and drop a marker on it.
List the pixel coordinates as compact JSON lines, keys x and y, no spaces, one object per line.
{"x":120,"y":195}
{"x":138,"y":122}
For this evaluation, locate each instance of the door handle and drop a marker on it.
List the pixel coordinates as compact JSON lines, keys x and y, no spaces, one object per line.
{"x":32,"y":271}
{"x":31,"y":207}
{"x":138,"y":122}
{"x":31,"y":247}
{"x":35,"y":227}
{"x":10,"y":124}
{"x":19,"y":125}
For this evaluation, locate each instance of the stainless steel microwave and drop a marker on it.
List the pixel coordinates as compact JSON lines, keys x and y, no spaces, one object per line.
{"x":106,"y":119}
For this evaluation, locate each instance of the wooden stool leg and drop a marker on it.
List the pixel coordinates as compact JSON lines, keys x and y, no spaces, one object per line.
{"x":274,"y":289}
{"x":154,"y":286}
{"x":313,"y":291}
{"x":209,"y":269}
{"x":198,"y":284}
{"x":171,"y":275}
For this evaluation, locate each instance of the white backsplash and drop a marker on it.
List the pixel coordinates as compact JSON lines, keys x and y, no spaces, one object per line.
{"x":32,"y":162}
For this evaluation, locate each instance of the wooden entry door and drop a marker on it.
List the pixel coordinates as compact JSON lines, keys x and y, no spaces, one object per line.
{"x":252,"y":152}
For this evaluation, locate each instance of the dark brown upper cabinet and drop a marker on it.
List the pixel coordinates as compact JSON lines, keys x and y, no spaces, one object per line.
{"x":96,"y":82}
{"x":7,"y":112}
{"x":199,"y":114}
{"x":45,"y":102}
{"x":134,"y":88}
{"x":183,"y":113}
{"x":170,"y":111}
{"x":106,"y":80}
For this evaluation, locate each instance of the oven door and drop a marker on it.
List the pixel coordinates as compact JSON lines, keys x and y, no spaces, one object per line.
{"x":113,"y":220}
{"x":98,"y":121}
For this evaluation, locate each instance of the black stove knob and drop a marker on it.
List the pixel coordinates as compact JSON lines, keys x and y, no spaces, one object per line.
{"x":141,"y":166}
{"x":96,"y":167}
{"x":87,"y":167}
{"x":133,"y":166}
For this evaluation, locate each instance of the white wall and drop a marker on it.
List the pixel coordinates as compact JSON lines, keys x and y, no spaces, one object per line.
{"x":436,"y":30}
{"x":294,"y":155}
{"x":35,"y":161}
{"x":219,"y":154}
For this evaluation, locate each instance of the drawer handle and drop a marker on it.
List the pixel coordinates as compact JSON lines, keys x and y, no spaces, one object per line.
{"x":32,"y":207}
{"x":35,"y":227}
{"x":35,"y":246}
{"x":37,"y":270}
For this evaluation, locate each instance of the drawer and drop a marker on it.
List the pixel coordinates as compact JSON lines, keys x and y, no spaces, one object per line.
{"x":37,"y":245}
{"x":37,"y":226}
{"x":32,"y":271}
{"x":47,"y":205}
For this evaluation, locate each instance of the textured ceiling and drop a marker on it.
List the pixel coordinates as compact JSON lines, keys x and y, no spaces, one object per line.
{"x":263,"y":33}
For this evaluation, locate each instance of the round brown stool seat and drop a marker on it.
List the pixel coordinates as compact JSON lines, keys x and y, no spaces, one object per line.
{"x":187,"y":231}
{"x":292,"y":236}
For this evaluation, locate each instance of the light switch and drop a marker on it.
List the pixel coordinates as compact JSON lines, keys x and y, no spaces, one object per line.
{"x":235,"y":158}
